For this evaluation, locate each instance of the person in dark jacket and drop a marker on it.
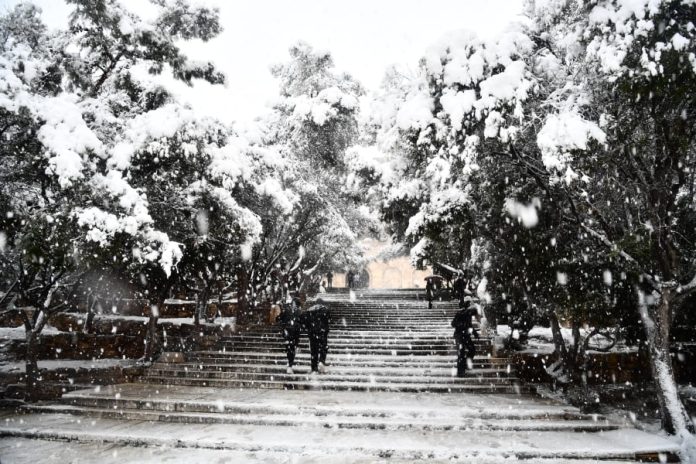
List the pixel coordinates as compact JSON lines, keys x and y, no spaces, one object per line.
{"x":458,"y":288}
{"x":429,"y":292}
{"x":329,"y":279}
{"x":316,"y":321}
{"x":463,"y":329}
{"x":289,"y":320}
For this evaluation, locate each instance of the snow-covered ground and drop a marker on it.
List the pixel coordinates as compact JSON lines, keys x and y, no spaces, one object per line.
{"x":487,"y":431}
{"x":19,"y":333}
{"x":18,"y":366}
{"x":23,"y":451}
{"x":166,"y":320}
{"x":540,"y":340}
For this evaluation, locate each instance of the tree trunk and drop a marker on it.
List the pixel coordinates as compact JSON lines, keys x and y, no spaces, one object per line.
{"x":657,"y":324}
{"x":559,"y":369}
{"x":32,"y":368}
{"x":576,"y":357}
{"x":558,"y":341}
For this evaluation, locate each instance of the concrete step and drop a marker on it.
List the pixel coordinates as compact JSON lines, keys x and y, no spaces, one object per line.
{"x":334,"y":404}
{"x":358,"y":336}
{"x":14,"y":451}
{"x":361,"y":340}
{"x":341,"y":358}
{"x":395,"y":314}
{"x":280,"y":363}
{"x":374,"y":325}
{"x":113,"y":411}
{"x":360,"y":351}
{"x":349,"y":346}
{"x":416,"y":329}
{"x":373,"y":445}
{"x":335,"y":385}
{"x":444,"y":317}
{"x":376,"y":369}
{"x":445,"y":348}
{"x":449,"y":353}
{"x":472,"y":378}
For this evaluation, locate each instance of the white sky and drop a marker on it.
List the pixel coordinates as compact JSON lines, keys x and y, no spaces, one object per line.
{"x":364,"y":37}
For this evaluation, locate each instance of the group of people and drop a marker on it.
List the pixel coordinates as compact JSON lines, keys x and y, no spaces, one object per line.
{"x":459,"y":288}
{"x":355,"y":279}
{"x":315,"y":322}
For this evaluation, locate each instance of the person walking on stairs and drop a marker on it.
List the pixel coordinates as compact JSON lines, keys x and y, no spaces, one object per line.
{"x":316,"y":321}
{"x":429,"y":292}
{"x":463,"y":329}
{"x":289,"y":320}
{"x":458,"y":288}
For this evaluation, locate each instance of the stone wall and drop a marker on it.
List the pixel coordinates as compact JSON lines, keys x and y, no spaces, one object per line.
{"x":604,"y":368}
{"x":392,"y":273}
{"x":114,"y":338}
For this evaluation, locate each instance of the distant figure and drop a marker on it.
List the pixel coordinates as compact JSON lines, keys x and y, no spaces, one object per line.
{"x":357,"y":281}
{"x":463,"y":329}
{"x":329,"y":280}
{"x":458,"y":288}
{"x":316,"y":321}
{"x":289,"y":320}
{"x":350,"y":279}
{"x":429,"y":292}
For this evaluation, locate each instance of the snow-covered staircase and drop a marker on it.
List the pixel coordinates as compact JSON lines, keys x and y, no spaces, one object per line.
{"x":390,"y":395}
{"x":375,"y":345}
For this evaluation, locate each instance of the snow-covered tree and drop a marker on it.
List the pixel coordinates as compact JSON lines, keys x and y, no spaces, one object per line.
{"x":566,"y":145}
{"x":636,"y":93}
{"x":41,"y":179}
{"x":86,"y":117}
{"x":314,"y":122}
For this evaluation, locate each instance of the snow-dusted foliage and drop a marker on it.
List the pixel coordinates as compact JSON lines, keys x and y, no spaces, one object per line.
{"x":105,"y":171}
{"x":309,"y":223}
{"x":318,"y":106}
{"x":566,"y":146}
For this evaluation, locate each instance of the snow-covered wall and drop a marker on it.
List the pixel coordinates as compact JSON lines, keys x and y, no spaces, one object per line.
{"x":395,"y":272}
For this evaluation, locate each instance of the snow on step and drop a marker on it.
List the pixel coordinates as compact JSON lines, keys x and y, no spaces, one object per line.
{"x":14,"y":450}
{"x":402,"y":337}
{"x":341,"y":422}
{"x":295,"y":440}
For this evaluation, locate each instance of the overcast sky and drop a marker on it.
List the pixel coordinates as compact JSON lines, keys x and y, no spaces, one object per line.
{"x":364,"y":37}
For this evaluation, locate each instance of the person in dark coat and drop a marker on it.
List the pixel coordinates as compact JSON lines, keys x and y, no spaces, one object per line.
{"x":329,"y":279}
{"x":463,"y":329}
{"x":316,"y":321}
{"x":458,"y":288}
{"x":289,"y":320}
{"x":350,"y":277}
{"x":429,"y":292}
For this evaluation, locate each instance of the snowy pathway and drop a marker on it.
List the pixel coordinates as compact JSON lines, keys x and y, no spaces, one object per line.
{"x":389,"y":396}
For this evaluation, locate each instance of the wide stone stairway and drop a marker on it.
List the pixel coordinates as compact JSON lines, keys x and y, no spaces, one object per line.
{"x":374,"y":345}
{"x":390,"y":395}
